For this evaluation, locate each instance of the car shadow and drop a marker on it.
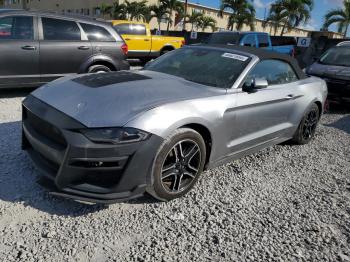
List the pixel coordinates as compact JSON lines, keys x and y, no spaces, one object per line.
{"x":341,"y":124}
{"x":15,"y":92}
{"x":19,"y":180}
{"x":136,"y":63}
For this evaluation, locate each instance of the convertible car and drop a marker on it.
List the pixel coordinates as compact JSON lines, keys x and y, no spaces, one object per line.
{"x":116,"y":136}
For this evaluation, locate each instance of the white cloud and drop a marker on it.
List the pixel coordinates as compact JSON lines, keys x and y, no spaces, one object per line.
{"x":311,"y":25}
{"x":259,"y":4}
{"x":333,"y":2}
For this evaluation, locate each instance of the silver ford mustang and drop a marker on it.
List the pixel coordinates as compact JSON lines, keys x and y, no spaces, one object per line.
{"x":115,"y":136}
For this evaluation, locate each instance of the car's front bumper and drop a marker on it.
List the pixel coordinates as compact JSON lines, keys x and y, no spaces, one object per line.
{"x":338,"y":90}
{"x":77,"y":168}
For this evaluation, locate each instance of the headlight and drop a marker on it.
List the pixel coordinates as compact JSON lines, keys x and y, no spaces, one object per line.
{"x":115,"y":135}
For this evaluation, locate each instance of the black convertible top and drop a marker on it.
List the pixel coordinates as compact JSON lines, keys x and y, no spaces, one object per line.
{"x":264,"y":54}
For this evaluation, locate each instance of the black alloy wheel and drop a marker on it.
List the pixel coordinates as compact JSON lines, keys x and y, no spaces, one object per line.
{"x":307,"y":127}
{"x":310,"y":124}
{"x":181,"y":166}
{"x":178,"y":165}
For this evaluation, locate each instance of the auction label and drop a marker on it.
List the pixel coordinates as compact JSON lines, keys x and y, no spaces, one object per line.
{"x":235,"y":56}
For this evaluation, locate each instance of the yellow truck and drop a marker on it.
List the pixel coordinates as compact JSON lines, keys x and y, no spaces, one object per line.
{"x":141,"y":43}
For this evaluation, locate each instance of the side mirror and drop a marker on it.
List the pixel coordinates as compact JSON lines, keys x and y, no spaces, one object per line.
{"x":254,"y":85}
{"x":260,"y":83}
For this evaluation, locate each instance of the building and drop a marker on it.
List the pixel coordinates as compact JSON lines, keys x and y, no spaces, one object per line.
{"x":91,"y":8}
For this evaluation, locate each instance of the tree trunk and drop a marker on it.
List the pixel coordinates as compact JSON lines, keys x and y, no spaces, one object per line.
{"x":170,"y":17}
{"x":283,"y":28}
{"x":275,"y":29}
{"x":346,"y":29}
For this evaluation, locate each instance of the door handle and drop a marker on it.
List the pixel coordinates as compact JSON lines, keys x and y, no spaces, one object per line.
{"x":291,"y":96}
{"x":127,"y":39}
{"x":29,"y":47}
{"x":83,"y":48}
{"x":147,"y":40}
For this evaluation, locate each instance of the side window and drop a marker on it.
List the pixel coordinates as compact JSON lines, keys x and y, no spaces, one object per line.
{"x":97,"y":33}
{"x":123,"y":29}
{"x":57,"y":29}
{"x":17,"y":28}
{"x":131,"y":29}
{"x":263,"y":40}
{"x":249,"y":40}
{"x":276,"y":72}
{"x":138,"y":29}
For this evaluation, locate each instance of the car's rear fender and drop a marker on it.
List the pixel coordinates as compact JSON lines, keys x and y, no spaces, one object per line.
{"x":313,"y":90}
{"x":103,"y":59}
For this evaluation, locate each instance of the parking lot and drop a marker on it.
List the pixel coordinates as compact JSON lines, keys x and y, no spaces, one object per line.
{"x":286,"y":203}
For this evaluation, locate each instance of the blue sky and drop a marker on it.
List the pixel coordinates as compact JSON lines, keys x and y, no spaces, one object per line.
{"x":321,"y":7}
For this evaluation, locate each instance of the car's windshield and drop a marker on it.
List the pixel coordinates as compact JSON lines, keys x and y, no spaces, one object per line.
{"x":338,"y":56}
{"x":224,"y":39}
{"x":206,"y":66}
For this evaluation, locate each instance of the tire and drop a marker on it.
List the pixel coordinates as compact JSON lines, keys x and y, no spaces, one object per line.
{"x":98,"y":69}
{"x":145,"y":60}
{"x":164,"y":51}
{"x":307,"y":126}
{"x":174,"y":176}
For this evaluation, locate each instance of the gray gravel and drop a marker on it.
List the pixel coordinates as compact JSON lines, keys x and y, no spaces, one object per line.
{"x":286,"y":203}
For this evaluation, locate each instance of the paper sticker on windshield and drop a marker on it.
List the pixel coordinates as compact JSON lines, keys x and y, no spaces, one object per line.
{"x":235,"y":56}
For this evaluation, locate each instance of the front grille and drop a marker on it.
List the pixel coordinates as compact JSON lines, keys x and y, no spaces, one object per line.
{"x":44,"y":128}
{"x":337,"y":82}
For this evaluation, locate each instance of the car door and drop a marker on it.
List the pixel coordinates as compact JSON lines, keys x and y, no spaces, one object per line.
{"x":19,"y":51}
{"x":63,"y":50}
{"x":264,"y":116}
{"x":136,"y":37}
{"x":103,"y":42}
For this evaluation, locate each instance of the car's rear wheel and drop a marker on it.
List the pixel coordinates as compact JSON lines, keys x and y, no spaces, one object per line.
{"x":99,"y":69}
{"x":165,"y":50}
{"x":307,"y":126}
{"x":178,"y":165}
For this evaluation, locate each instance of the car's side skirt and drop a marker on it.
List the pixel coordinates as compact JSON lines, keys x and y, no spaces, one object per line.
{"x":247,"y":151}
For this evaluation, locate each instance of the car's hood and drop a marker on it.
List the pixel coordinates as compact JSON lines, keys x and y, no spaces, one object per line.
{"x":329,"y":71}
{"x":113,"y":99}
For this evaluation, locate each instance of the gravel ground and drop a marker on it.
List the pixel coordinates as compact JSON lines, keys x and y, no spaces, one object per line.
{"x":286,"y":203}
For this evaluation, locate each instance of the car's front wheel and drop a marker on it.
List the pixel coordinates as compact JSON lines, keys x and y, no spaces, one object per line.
{"x":307,"y":126}
{"x":99,"y":69}
{"x":178,"y":164}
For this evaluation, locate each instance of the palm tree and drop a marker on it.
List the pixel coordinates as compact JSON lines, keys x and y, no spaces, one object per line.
{"x":171,"y":6}
{"x":246,"y":17}
{"x":206,"y":22}
{"x":105,"y":9}
{"x":241,"y":10}
{"x":275,"y":18}
{"x":119,"y":11}
{"x":137,"y":10}
{"x":194,"y":19}
{"x":294,"y":12}
{"x":159,"y":12}
{"x":340,"y":16}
